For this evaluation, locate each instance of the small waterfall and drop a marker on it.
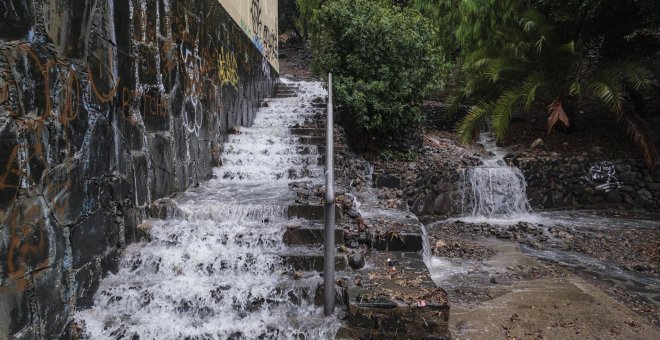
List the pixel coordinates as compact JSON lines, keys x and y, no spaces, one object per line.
{"x":212,"y":269}
{"x":494,"y":190}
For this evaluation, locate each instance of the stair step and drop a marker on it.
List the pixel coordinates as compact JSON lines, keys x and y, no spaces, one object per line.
{"x":310,"y":235}
{"x":419,"y":311}
{"x":308,"y":132}
{"x":299,"y":290}
{"x":312,"y":140}
{"x":399,"y":241}
{"x":311,"y":212}
{"x":302,"y":258}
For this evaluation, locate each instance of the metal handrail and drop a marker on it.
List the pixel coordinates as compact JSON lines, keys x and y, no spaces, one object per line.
{"x":329,"y":209}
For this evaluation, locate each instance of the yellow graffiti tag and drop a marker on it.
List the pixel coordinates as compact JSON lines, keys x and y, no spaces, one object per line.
{"x":227,"y":68}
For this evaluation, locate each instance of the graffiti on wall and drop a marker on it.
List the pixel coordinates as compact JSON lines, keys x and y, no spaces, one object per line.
{"x":602,"y":175}
{"x":227,"y":68}
{"x":81,"y":121}
{"x":258,"y":20}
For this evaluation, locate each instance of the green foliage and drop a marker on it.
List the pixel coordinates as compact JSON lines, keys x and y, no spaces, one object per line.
{"x":445,"y":16}
{"x":409,"y":156}
{"x":306,"y":10}
{"x":519,"y":55}
{"x":383,"y":61}
{"x":288,"y":16}
{"x":387,"y":155}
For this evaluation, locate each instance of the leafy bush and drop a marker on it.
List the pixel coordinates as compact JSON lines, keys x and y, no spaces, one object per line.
{"x":383,"y":61}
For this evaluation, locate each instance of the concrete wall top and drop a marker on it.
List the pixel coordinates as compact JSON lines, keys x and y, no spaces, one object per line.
{"x":258,"y":20}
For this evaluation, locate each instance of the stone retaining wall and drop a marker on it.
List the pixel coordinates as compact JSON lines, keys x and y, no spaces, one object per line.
{"x":583,"y":183}
{"x":105,"y":106}
{"x":434,"y":187}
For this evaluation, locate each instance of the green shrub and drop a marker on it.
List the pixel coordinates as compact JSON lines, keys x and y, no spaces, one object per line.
{"x":383,"y":61}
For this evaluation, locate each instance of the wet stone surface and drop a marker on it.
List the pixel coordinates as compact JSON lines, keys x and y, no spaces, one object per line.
{"x":479,"y":262}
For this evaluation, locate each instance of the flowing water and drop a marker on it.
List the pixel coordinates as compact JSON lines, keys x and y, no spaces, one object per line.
{"x":495,"y":193}
{"x":212,"y":269}
{"x":494,"y":189}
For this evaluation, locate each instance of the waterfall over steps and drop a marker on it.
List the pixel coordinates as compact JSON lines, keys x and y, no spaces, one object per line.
{"x":494,"y":189}
{"x":212,"y":269}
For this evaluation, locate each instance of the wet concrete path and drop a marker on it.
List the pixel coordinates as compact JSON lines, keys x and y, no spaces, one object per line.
{"x":507,"y":291}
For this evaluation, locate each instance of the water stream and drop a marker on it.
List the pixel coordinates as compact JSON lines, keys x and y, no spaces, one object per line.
{"x":494,"y":189}
{"x":495,"y":193}
{"x":212,"y":269}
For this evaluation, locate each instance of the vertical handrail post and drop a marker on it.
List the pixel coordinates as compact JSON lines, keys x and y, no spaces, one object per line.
{"x":329,"y":218}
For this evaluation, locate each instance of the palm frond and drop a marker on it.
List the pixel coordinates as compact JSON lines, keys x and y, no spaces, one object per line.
{"x":506,"y":105}
{"x":530,"y":88}
{"x":638,"y":75}
{"x":475,"y":120}
{"x":539,"y":44}
{"x":528,"y":24}
{"x":557,"y":115}
{"x":637,"y":129}
{"x":575,"y":89}
{"x":610,"y":91}
{"x":454,"y":101}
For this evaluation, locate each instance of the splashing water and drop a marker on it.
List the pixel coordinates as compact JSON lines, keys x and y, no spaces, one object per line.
{"x":494,"y":190}
{"x":212,"y":269}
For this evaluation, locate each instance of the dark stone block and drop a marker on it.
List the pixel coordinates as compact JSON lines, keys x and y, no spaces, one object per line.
{"x":309,"y":236}
{"x":311,"y":212}
{"x":399,"y":241}
{"x":182,"y":177}
{"x":614,"y":197}
{"x":176,"y":101}
{"x":68,"y":26}
{"x":150,"y":12}
{"x":423,"y":205}
{"x":10,"y":171}
{"x":388,"y":181}
{"x":32,"y":79}
{"x":101,"y":149}
{"x":313,"y":262}
{"x":169,"y":63}
{"x":37,"y":141}
{"x":155,"y":111}
{"x":162,"y":183}
{"x":140,"y":178}
{"x":51,"y":288}
{"x":110,"y":262}
{"x":180,"y":142}
{"x":89,"y":239}
{"x":64,"y":190}
{"x":16,"y":19}
{"x":147,"y":67}
{"x":442,"y":204}
{"x":74,"y":116}
{"x":653,"y":186}
{"x":15,"y":314}
{"x":131,"y":221}
{"x":29,"y":238}
{"x":132,"y":134}
{"x":193,"y":144}
{"x":194,"y":115}
{"x":123,"y":37}
{"x":356,"y":261}
{"x":87,"y":282}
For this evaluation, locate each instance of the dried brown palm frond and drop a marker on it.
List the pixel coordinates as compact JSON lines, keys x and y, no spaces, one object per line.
{"x":557,"y":115}
{"x":638,"y":130}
